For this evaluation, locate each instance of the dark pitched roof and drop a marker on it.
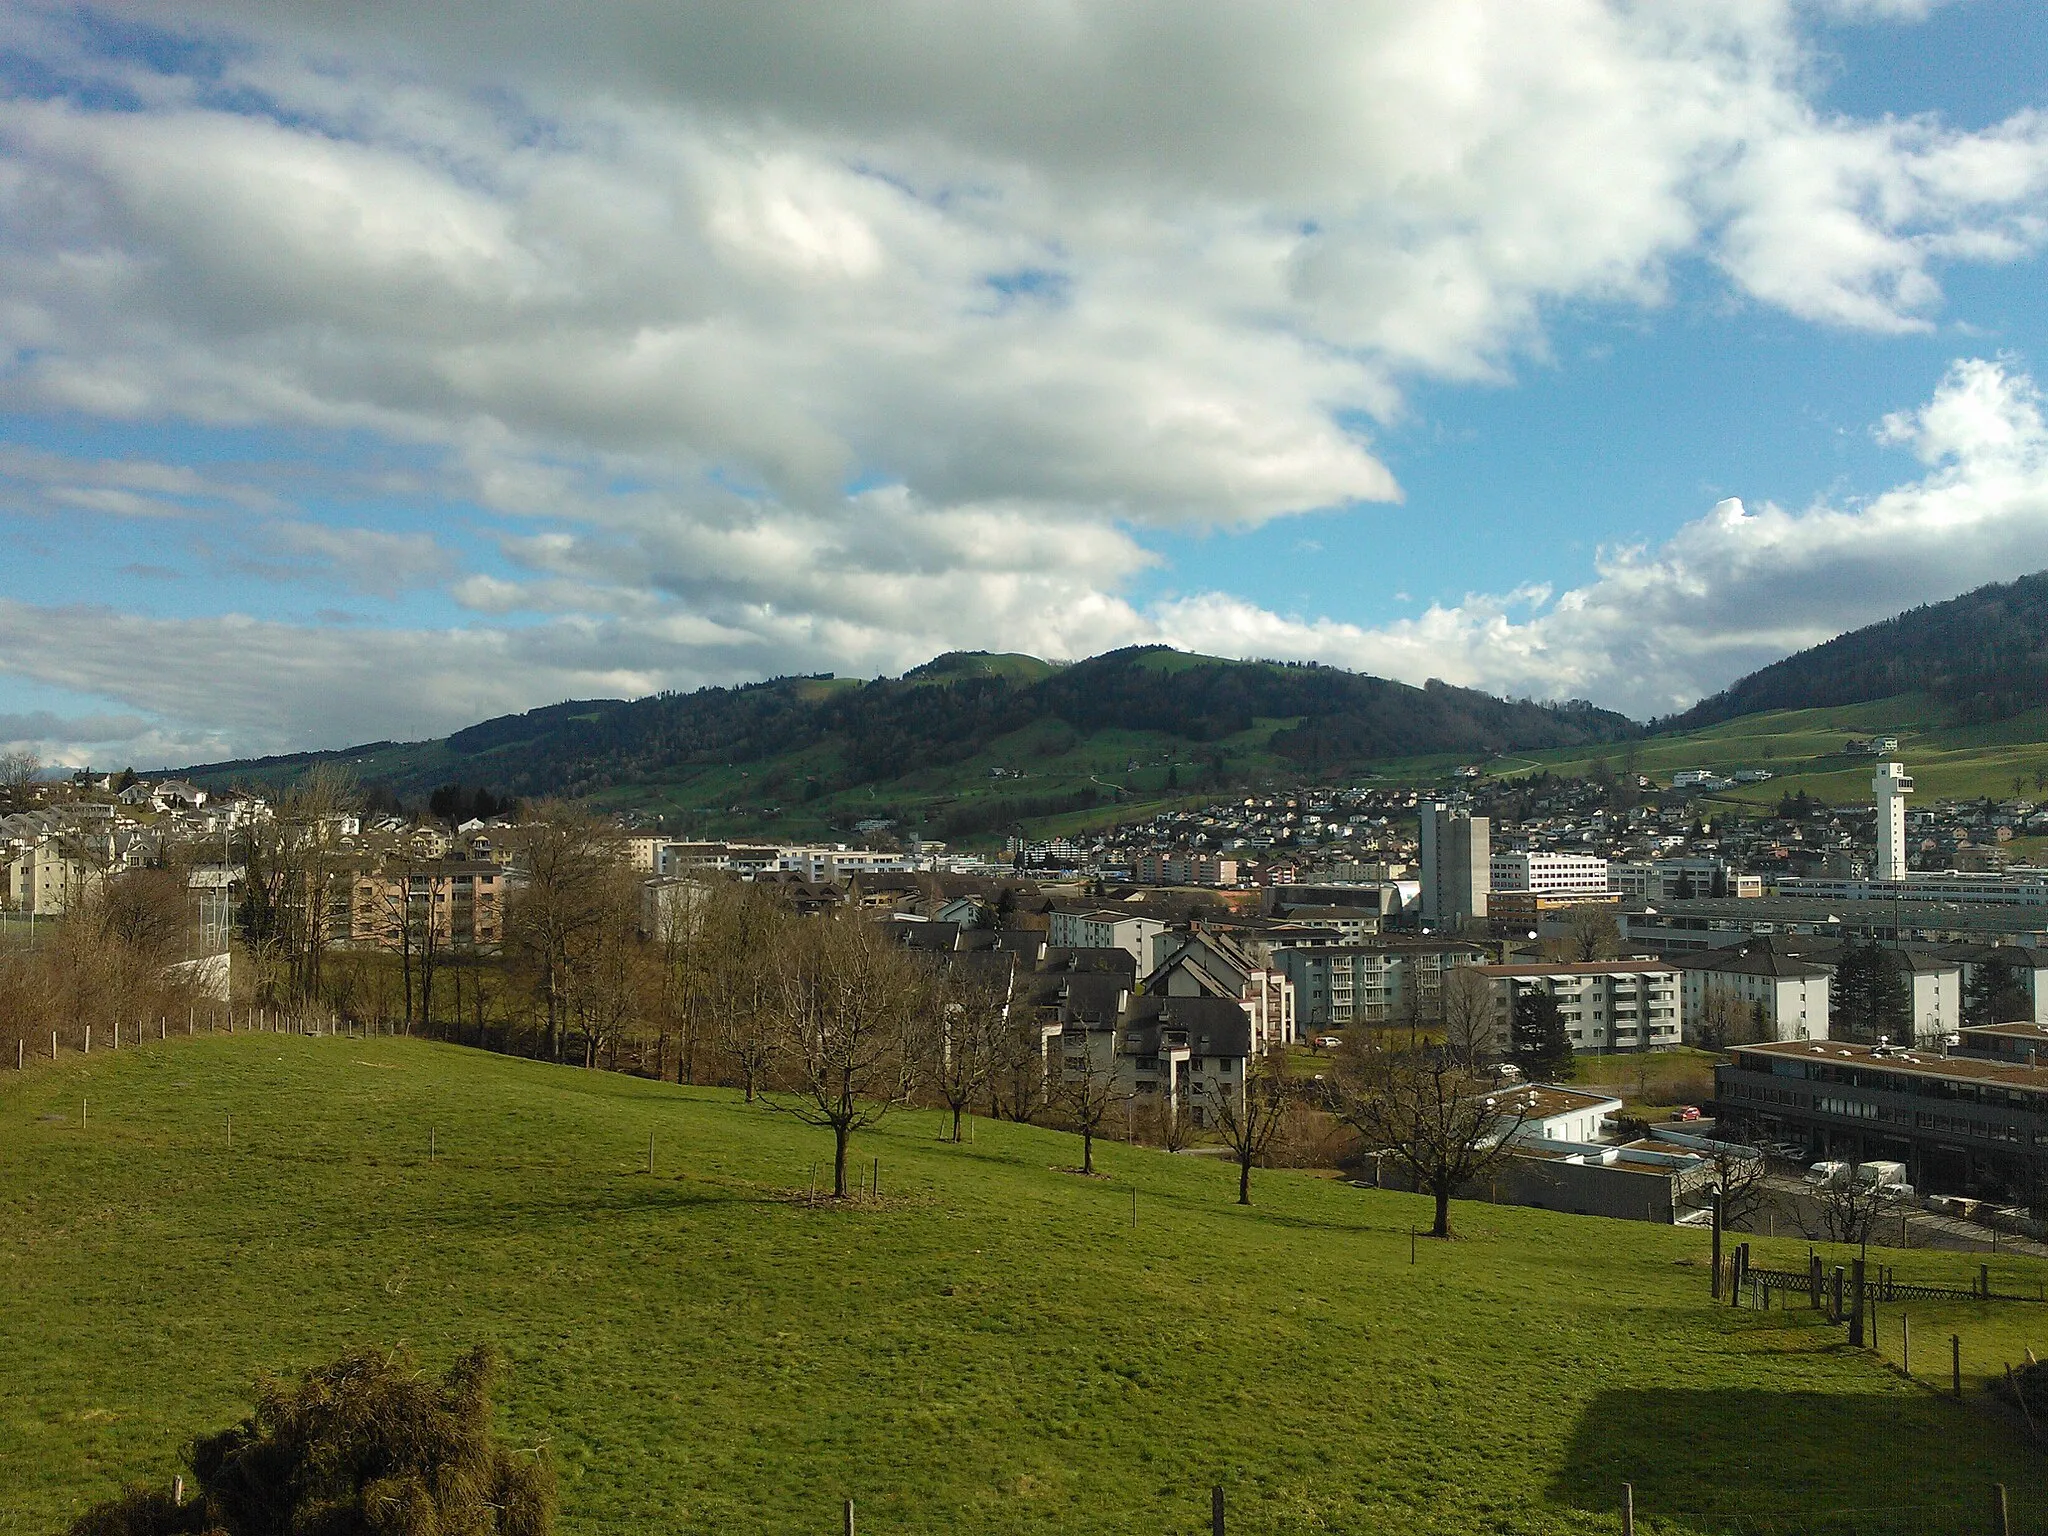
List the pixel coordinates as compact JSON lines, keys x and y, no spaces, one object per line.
{"x":1216,"y":1026}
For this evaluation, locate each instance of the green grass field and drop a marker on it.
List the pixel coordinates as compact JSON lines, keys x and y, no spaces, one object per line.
{"x":992,"y":1347}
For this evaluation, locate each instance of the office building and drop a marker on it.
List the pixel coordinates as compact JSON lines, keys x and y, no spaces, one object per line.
{"x":1456,"y":858}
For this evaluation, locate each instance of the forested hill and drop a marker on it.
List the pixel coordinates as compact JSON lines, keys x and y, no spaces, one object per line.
{"x":1985,"y":654}
{"x":821,"y":736}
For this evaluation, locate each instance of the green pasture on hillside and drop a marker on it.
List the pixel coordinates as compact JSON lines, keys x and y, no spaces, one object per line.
{"x":993,"y":1346}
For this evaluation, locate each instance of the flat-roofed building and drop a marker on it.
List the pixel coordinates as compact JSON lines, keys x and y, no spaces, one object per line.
{"x":1608,"y":1005}
{"x":1962,"y":1125}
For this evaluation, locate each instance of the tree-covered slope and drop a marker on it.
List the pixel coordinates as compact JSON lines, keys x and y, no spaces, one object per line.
{"x":828,"y":735}
{"x":1984,"y":655}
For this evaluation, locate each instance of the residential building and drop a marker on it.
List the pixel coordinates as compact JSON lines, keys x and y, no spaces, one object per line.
{"x":1756,"y":992}
{"x":1165,"y":1053}
{"x":1183,"y":869}
{"x":462,"y":904}
{"x":1096,"y":928}
{"x":1455,"y":854}
{"x":1608,"y":1005}
{"x":1209,"y":963}
{"x":53,"y":875}
{"x":1384,"y":981}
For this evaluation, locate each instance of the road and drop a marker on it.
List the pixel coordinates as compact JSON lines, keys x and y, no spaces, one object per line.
{"x":1904,"y":1229}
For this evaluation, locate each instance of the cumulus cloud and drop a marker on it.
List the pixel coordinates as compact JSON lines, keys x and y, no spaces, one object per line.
{"x":765,"y":336}
{"x":1659,"y":627}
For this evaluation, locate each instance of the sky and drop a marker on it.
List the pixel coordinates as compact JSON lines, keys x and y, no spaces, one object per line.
{"x":368,"y":371}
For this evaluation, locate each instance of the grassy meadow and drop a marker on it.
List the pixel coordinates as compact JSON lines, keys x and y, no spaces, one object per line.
{"x":993,"y":1345}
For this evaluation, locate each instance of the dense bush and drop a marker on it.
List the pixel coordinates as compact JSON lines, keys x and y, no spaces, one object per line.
{"x":365,"y":1446}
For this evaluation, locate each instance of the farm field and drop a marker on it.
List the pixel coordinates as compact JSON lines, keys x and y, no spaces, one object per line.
{"x":994,"y":1345}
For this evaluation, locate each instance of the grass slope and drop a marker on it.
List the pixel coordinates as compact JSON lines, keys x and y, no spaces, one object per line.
{"x":1803,"y":750}
{"x":996,"y":1347}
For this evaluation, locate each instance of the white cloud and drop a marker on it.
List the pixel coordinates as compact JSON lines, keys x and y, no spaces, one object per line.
{"x":1658,"y":628}
{"x":768,"y":336}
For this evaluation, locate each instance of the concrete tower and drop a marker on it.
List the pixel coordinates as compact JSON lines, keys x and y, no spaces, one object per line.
{"x":1891,"y":786}
{"x":1456,"y":855}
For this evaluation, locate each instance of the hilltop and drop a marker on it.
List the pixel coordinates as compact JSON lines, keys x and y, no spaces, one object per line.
{"x":1983,"y":656}
{"x":967,"y":743}
{"x":994,"y":1346}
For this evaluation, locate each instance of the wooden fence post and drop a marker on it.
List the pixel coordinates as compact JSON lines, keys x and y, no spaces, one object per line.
{"x":1717,"y":1245}
{"x":849,"y":1517}
{"x":1835,"y":1294}
{"x":1955,"y":1363}
{"x":1906,"y":1341}
{"x":1628,"y":1509}
{"x":1983,"y":1282}
{"x":1216,"y":1511}
{"x":2004,"y":1514}
{"x":1857,"y":1304}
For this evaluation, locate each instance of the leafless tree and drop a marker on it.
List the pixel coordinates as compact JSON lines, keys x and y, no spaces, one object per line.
{"x":570,"y":860}
{"x":1445,"y":1124}
{"x":1846,"y":1211}
{"x":1590,"y":933}
{"x":1171,"y":1126}
{"x":1741,"y":1174}
{"x":1017,"y":1085}
{"x":1467,"y":1002}
{"x":1083,"y":1082}
{"x":844,"y":1007}
{"x":965,"y":1029}
{"x":607,"y":971}
{"x":1249,"y":1121}
{"x":18,"y":770}
{"x":736,"y":948}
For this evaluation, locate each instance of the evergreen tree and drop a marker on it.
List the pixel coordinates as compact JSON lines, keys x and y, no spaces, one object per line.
{"x":1538,"y":1041}
{"x":1872,"y":996}
{"x":1995,"y":994}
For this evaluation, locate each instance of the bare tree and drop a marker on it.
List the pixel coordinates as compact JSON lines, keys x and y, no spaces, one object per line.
{"x":1443,"y":1123}
{"x":18,"y":770}
{"x":844,"y":1008}
{"x":1249,"y":1121}
{"x":1467,"y":1001}
{"x":739,"y":939}
{"x":1742,"y":1176}
{"x":1018,"y":1084}
{"x":1590,"y":933}
{"x":966,"y":1028}
{"x":1084,"y":1083}
{"x":1845,"y":1211}
{"x":606,"y":974}
{"x":570,"y":858}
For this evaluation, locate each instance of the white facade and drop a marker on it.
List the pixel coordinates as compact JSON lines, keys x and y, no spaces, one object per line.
{"x":1103,"y":930}
{"x":1550,"y":874}
{"x":1891,"y":785}
{"x":1608,"y":1005}
{"x":1793,"y":998}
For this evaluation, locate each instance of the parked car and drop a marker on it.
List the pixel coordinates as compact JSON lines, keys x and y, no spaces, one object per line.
{"x":1329,"y":1042}
{"x":1686,"y":1112}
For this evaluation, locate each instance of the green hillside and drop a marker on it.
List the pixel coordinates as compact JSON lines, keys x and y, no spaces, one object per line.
{"x":969,"y":745}
{"x":1803,"y":750}
{"x":994,"y":1346}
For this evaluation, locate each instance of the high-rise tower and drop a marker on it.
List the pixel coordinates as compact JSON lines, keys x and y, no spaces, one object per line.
{"x":1891,"y":785}
{"x":1456,"y":854}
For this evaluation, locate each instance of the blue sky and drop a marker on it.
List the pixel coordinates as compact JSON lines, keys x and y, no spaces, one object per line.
{"x":368,"y":377}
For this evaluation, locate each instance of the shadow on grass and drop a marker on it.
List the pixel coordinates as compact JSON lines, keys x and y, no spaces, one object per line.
{"x":1755,"y":1461}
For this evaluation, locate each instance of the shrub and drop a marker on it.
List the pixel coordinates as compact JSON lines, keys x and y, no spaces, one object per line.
{"x":365,"y":1446}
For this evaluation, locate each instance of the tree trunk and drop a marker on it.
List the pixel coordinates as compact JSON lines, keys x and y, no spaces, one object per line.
{"x":747,"y":1074}
{"x":956,"y":1122}
{"x":1244,"y":1178}
{"x":1443,"y":1214}
{"x":1087,"y":1149}
{"x":841,"y":1135}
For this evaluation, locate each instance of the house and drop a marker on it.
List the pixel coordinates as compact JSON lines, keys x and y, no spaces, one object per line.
{"x":1206,"y":963}
{"x":1608,"y":1005}
{"x":177,"y":795}
{"x":1166,"y":1054}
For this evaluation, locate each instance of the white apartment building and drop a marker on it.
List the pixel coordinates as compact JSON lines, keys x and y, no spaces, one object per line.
{"x":1339,"y":985}
{"x":1681,"y":880}
{"x":1105,"y":929}
{"x":1754,"y":994}
{"x":1550,"y":874}
{"x":1608,"y":1005}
